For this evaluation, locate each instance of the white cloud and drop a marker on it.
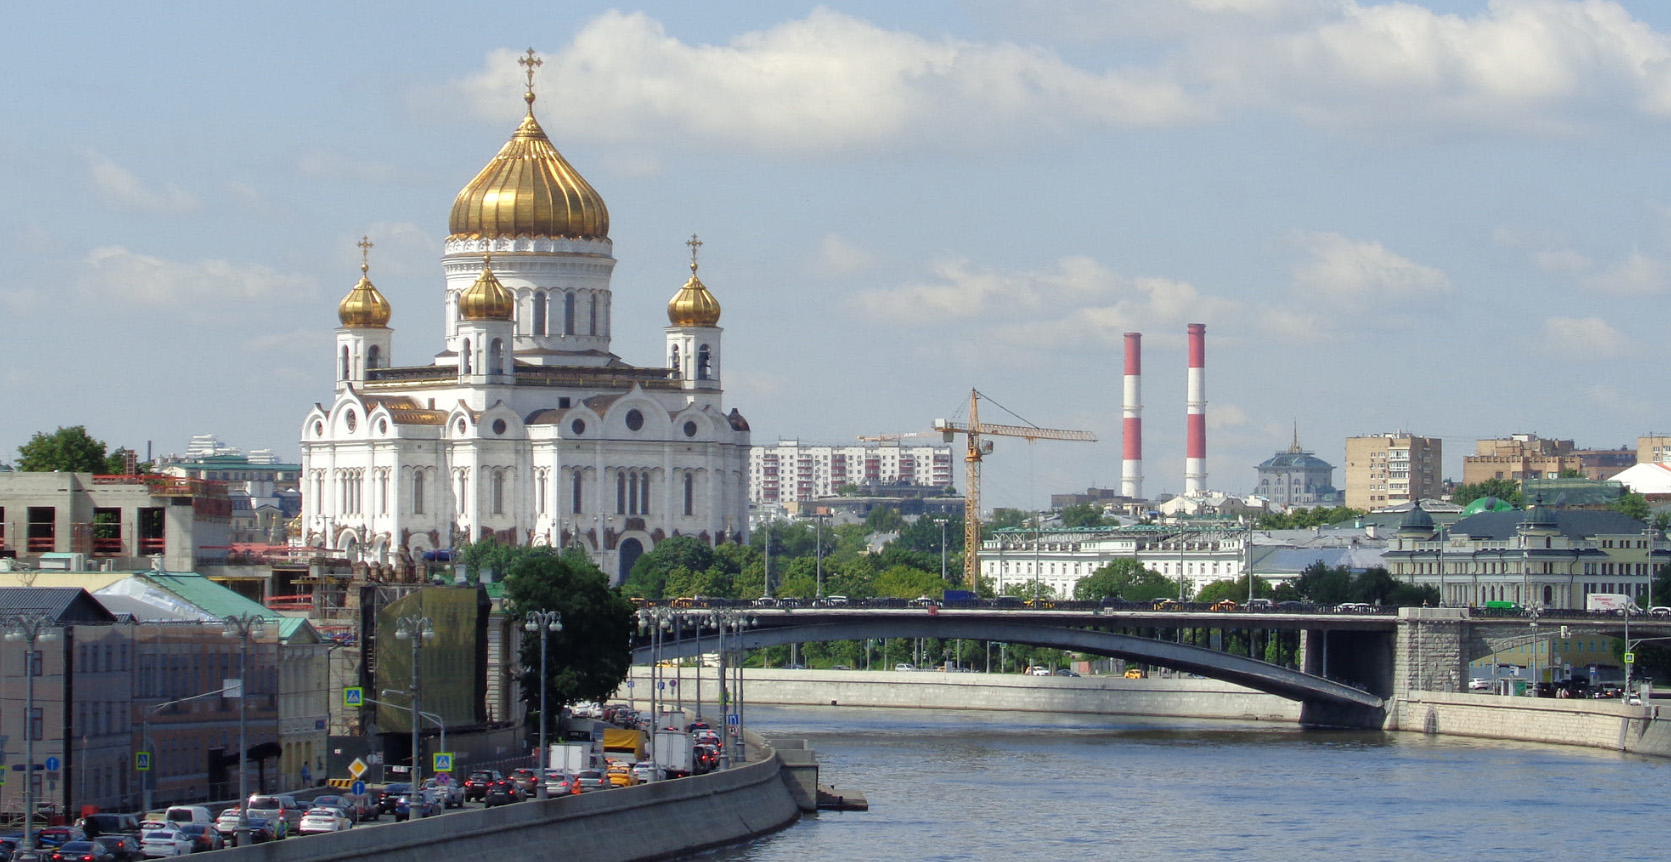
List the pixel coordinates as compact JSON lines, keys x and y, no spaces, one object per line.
{"x":838,"y":254}
{"x":1351,"y":272}
{"x":113,"y":272}
{"x":1225,"y":416}
{"x":120,"y":187}
{"x":1562,"y":260}
{"x":1637,"y":275}
{"x":1584,"y":338}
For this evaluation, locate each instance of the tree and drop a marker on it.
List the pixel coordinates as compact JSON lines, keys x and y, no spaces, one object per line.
{"x":1004,"y":518}
{"x":1082,"y":515}
{"x":1302,"y":519}
{"x":1125,"y":578}
{"x":589,"y":658}
{"x":1633,"y":505}
{"x":905,"y":582}
{"x":1323,"y":584}
{"x":70,"y":450}
{"x":489,"y":554}
{"x":649,"y":576}
{"x":1506,"y":490}
{"x":884,"y":519}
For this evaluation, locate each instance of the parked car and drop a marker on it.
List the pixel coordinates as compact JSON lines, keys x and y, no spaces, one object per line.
{"x":261,"y":828}
{"x":905,"y":666}
{"x":1135,"y":673}
{"x":475,"y":787}
{"x":204,"y":837}
{"x":1062,"y":671}
{"x":81,"y":851}
{"x":450,"y":792}
{"x":165,"y":842}
{"x":53,"y":836}
{"x":323,"y":818}
{"x":1226,"y":605}
{"x":105,"y":823}
{"x":502,"y":792}
{"x":122,"y":847}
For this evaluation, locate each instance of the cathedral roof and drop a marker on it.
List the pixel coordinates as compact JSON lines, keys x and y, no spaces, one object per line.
{"x":1294,"y":460}
{"x":693,"y":305}
{"x":364,"y":307}
{"x":487,"y":299}
{"x":530,"y":190}
{"x":407,"y":411}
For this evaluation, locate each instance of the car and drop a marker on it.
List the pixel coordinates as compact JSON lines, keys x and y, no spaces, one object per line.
{"x":416,"y":805}
{"x":81,"y":851}
{"x":1062,"y":671}
{"x":53,"y":836}
{"x":645,"y":771}
{"x":262,"y":829}
{"x":592,"y":779}
{"x":1038,"y":670}
{"x":905,"y":666}
{"x":1135,"y":673}
{"x":503,"y":792}
{"x":105,"y":823}
{"x":203,"y":837}
{"x":1260,"y":604}
{"x":165,"y":842}
{"x":122,"y":847}
{"x":527,"y":780}
{"x":1479,"y":683}
{"x":391,"y":795}
{"x":279,"y":807}
{"x":1659,"y":611}
{"x":559,"y":783}
{"x":1353,"y":608}
{"x":476,"y":785}
{"x":1225,"y":605}
{"x":449,"y":791}
{"x":620,"y":774}
{"x":1168,"y":605}
{"x":323,"y":818}
{"x":356,"y":807}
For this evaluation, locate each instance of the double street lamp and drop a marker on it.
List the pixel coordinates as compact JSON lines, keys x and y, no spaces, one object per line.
{"x":543,"y":622}
{"x":36,"y":629}
{"x":244,"y":627}
{"x":419,"y":630}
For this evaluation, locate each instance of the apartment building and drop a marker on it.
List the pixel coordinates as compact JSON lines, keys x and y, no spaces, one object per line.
{"x":1389,"y":469}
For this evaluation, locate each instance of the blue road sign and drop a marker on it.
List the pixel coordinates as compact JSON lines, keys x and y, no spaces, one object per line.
{"x":142,"y":761}
{"x":733,"y":719}
{"x":52,"y":764}
{"x":631,"y":682}
{"x":661,"y":686}
{"x":358,"y":788}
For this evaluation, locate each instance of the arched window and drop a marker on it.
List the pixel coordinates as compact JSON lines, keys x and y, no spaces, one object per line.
{"x":592,"y":316}
{"x":539,"y":313}
{"x":374,"y":357}
{"x":576,"y":507}
{"x":498,"y":490}
{"x":689,"y":493}
{"x":345,"y":368}
{"x":621,"y":493}
{"x":417,"y":492}
{"x":568,"y":313}
{"x":704,"y":363}
{"x":644,"y":494}
{"x":673,"y":360}
{"x":496,"y":357}
{"x":464,"y":358}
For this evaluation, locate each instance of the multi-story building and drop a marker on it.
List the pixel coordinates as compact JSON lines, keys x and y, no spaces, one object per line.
{"x":1653,"y":449}
{"x":1059,"y":557}
{"x":526,"y":427}
{"x":1388,"y":469}
{"x":1537,"y":557}
{"x":1519,"y":457}
{"x":1297,"y":477}
{"x":124,"y":520}
{"x":793,"y":472}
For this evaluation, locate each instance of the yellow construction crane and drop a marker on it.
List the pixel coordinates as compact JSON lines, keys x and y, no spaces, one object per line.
{"x":974,"y":430}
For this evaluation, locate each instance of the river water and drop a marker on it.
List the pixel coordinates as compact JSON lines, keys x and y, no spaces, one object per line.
{"x":1028,"y":786}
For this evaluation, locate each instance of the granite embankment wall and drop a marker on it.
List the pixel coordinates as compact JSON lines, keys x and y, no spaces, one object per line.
{"x":1096,"y":695}
{"x":663,"y":820}
{"x":1609,"y":724}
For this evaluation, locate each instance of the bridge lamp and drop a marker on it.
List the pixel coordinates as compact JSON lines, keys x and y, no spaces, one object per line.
{"x":244,"y":627}
{"x":34,"y":629}
{"x":419,"y":630}
{"x":543,"y":622}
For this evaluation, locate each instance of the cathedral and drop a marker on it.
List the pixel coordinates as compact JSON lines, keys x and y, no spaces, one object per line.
{"x":526,"y":427}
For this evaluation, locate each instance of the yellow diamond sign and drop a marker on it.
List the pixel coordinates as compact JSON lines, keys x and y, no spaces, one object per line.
{"x":357,"y":768}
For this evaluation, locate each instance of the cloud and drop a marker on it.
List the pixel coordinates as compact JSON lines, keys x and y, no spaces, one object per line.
{"x":1355,"y":272}
{"x":838,"y":254}
{"x":120,"y":187}
{"x":1584,"y":338}
{"x":823,"y":84}
{"x":115,"y":273}
{"x":302,"y":342}
{"x":1225,"y":416}
{"x":1637,"y":275}
{"x":1562,"y":260}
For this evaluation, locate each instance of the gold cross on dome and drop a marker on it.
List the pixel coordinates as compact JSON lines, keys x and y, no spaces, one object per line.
{"x":694,"y":244}
{"x":529,"y":63}
{"x":365,"y":245}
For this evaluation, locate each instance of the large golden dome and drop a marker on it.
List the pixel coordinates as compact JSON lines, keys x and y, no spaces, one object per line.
{"x":529,"y":189}
{"x":487,"y":299}
{"x":364,"y":307}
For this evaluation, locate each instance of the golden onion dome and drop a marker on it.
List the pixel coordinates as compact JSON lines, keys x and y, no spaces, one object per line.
{"x":693,"y":305}
{"x":529,"y":189}
{"x":487,"y":299}
{"x":364,"y":307}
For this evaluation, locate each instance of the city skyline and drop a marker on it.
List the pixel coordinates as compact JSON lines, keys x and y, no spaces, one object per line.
{"x":1444,"y":218}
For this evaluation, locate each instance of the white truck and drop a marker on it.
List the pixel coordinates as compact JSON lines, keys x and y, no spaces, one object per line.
{"x":672,"y":753}
{"x":1614,"y":603}
{"x":570,"y":757}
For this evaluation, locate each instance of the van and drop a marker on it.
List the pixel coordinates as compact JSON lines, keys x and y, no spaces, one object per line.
{"x":196,"y":815}
{"x":109,"y":824}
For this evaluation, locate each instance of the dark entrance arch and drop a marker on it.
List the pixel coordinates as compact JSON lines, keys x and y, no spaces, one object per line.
{"x":631,"y":550}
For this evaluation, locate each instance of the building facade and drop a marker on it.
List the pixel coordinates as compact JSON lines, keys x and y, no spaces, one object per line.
{"x":791,"y":472}
{"x":1519,"y":457}
{"x":525,"y":427}
{"x":87,"y":520}
{"x":1296,"y":477}
{"x":1388,"y":469}
{"x":1059,"y":557}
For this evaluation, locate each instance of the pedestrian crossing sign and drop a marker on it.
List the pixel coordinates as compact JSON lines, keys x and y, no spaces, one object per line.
{"x":142,"y":761}
{"x":443,"y":761}
{"x":353,"y":697}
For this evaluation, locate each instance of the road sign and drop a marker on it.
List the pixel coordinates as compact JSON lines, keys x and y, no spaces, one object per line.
{"x":142,"y":761}
{"x":662,"y":685}
{"x":733,"y":719}
{"x":1630,"y":658}
{"x":672,"y":683}
{"x":358,"y":788}
{"x":631,"y":682}
{"x":52,"y":764}
{"x":443,"y":762}
{"x":357,"y":769}
{"x":353,"y":697}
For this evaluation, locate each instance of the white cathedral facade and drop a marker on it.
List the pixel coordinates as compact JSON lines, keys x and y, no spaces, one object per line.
{"x":525,"y":427}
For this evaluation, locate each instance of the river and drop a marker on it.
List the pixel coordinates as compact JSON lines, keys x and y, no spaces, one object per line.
{"x":1028,"y":786}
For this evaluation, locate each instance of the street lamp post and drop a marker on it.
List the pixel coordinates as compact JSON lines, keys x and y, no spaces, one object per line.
{"x":543,"y":622}
{"x":244,"y":627}
{"x":942,"y":522}
{"x":35,"y":629}
{"x":818,"y":551}
{"x":417,"y":629}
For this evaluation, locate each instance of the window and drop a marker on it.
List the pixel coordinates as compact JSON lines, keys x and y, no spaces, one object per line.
{"x":344,"y":374}
{"x":37,"y":724}
{"x":592,"y":316}
{"x":374,"y":357}
{"x":496,"y":357}
{"x":688,"y":493}
{"x":539,"y":313}
{"x":498,"y":492}
{"x":464,"y":358}
{"x":576,"y":507}
{"x":568,"y":313}
{"x":621,"y":493}
{"x":417,"y":492}
{"x":704,"y":363}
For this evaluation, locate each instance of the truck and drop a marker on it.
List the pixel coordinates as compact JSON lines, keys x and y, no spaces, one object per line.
{"x":570,"y":757}
{"x":620,"y":744}
{"x":671,"y":752}
{"x":952,"y":598}
{"x":1613,"y":603}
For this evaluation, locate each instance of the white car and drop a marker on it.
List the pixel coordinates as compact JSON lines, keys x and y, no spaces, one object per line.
{"x":645,"y":771}
{"x":1479,"y":683}
{"x":323,"y":819}
{"x":165,"y":842}
{"x":905,"y":666}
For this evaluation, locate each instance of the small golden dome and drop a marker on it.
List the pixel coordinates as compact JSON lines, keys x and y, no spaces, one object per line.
{"x":487,"y":299}
{"x":693,"y":305}
{"x":529,"y":189}
{"x":364,"y":307}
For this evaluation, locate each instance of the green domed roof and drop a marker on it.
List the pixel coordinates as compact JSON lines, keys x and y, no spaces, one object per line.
{"x":1486,"y":504}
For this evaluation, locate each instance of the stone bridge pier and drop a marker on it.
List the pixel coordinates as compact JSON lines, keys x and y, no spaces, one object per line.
{"x":1433,"y":646}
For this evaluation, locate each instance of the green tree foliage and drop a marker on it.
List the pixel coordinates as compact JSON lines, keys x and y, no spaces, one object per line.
{"x":70,"y":450}
{"x":1633,"y":505}
{"x":1235,"y":590}
{"x":906,"y":582}
{"x":1127,"y":579}
{"x":649,"y":576}
{"x":590,"y":656}
{"x":924,"y":534}
{"x":884,"y":519}
{"x":1506,"y":490}
{"x":1305,"y":519}
{"x":489,"y":554}
{"x":1323,"y":584}
{"x":1006,"y":518}
{"x":1083,"y":515}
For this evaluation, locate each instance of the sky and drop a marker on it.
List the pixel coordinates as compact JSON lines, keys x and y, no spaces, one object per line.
{"x":1446,"y":218}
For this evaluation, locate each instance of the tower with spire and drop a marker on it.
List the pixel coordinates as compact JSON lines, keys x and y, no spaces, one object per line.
{"x":525,"y":426}
{"x":1297,"y":478}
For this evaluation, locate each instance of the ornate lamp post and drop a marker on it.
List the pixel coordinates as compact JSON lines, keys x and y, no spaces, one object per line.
{"x":732,"y":621}
{"x":34,"y":629}
{"x":419,"y":630}
{"x":543,"y":622}
{"x":244,"y":627}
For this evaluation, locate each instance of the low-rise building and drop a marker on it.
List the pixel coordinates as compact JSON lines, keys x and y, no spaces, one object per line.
{"x":120,"y":521}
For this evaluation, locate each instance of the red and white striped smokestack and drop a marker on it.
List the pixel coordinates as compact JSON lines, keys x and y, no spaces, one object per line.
{"x":1195,"y":453}
{"x":1131,"y":468}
